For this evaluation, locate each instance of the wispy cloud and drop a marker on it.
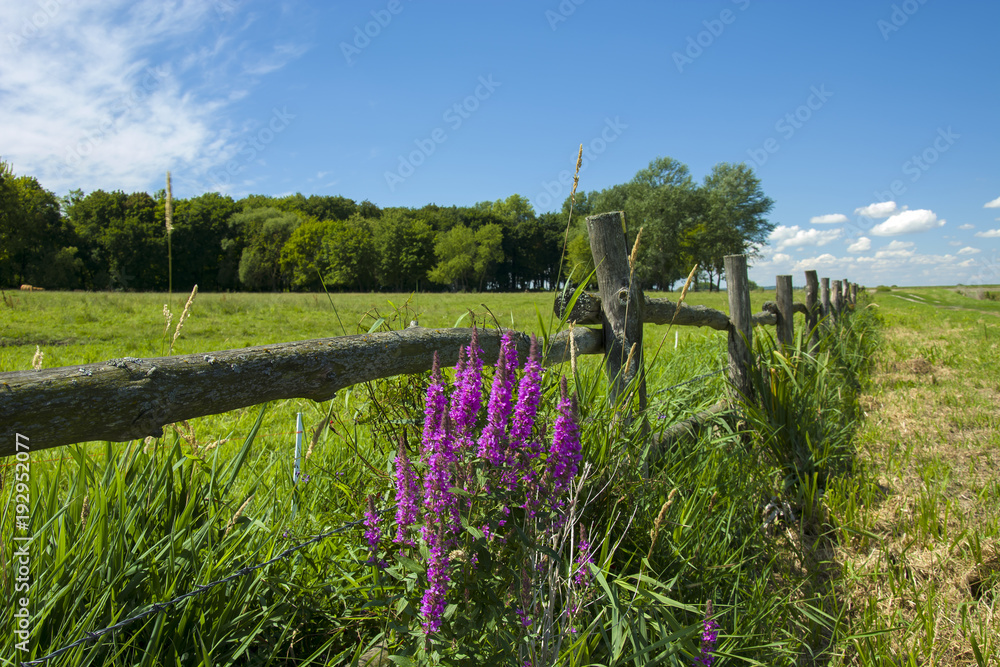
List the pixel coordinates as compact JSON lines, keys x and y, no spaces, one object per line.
{"x":84,"y":104}
{"x":830,"y":219}
{"x":989,"y":234}
{"x":968,"y":250}
{"x":966,"y":227}
{"x":905,"y":222}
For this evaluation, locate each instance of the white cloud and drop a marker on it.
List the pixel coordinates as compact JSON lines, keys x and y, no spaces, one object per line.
{"x":793,"y":237}
{"x":955,"y":243}
{"x":966,"y":227}
{"x":826,"y":261}
{"x":969,"y":251}
{"x":992,"y":204}
{"x":989,"y":234}
{"x":905,"y":222}
{"x":780,"y":258}
{"x":830,"y":219}
{"x":877,"y":210}
{"x":899,"y":245}
{"x":861,"y":245}
{"x":896,"y":250}
{"x":111,"y":93}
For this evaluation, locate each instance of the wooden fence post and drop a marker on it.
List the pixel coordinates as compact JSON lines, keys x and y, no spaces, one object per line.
{"x":835,"y":305}
{"x":786,"y":324}
{"x":812,"y":307}
{"x":854,"y":293}
{"x":824,"y":291}
{"x":740,"y":326}
{"x":621,"y":305}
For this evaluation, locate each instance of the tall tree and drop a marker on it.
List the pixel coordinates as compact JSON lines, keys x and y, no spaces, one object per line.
{"x":733,"y":215}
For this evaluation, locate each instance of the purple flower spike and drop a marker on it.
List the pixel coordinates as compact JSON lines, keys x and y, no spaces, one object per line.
{"x":529,"y":392}
{"x":373,"y":533}
{"x":468,"y":396}
{"x":432,"y":603}
{"x":564,"y":456}
{"x":406,"y":493}
{"x":492,"y":441}
{"x":582,"y":575}
{"x":434,"y":409}
{"x":708,"y":638}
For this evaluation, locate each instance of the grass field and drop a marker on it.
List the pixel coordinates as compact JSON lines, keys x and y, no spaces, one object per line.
{"x":890,"y":558}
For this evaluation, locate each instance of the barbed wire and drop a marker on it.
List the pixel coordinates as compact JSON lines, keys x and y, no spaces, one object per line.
{"x":160,"y":606}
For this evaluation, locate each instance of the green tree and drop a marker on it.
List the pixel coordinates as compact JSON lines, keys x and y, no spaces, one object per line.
{"x":263,"y":233}
{"x":349,"y":254}
{"x":465,"y":257}
{"x":733,"y":216}
{"x":37,"y":243}
{"x":404,"y":249}
{"x":201,"y":224}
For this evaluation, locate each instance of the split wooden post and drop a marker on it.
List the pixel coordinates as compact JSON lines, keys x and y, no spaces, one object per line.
{"x":854,"y":293}
{"x":812,"y":308}
{"x":824,"y":291}
{"x":621,"y":306}
{"x":786,"y":325}
{"x":740,"y":326}
{"x":835,"y":305}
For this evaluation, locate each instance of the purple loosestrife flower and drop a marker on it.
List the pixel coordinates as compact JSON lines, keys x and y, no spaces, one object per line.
{"x":435,"y":407}
{"x":432,"y":603}
{"x":581,"y":574}
{"x":708,"y":638}
{"x":372,"y":533}
{"x":529,"y":392}
{"x":406,"y":494}
{"x":468,"y":396}
{"x":440,"y":504}
{"x":492,"y":441}
{"x":564,"y":455}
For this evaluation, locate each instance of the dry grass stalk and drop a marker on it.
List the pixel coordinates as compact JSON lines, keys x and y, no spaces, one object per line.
{"x":85,"y":512}
{"x":168,"y":317}
{"x":36,"y":361}
{"x":631,"y":354}
{"x":654,"y":532}
{"x":184,"y":316}
{"x":684,"y":291}
{"x":169,"y":210}
{"x":576,"y":175}
{"x":239,"y":513}
{"x":572,"y":350}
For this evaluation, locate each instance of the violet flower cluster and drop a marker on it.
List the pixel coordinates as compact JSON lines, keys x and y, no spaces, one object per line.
{"x":507,"y":452}
{"x":709,"y":635}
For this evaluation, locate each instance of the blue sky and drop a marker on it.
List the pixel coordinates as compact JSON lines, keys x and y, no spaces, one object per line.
{"x":838,"y":107}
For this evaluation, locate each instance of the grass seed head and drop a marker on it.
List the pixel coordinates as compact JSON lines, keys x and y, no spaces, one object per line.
{"x":36,"y":361}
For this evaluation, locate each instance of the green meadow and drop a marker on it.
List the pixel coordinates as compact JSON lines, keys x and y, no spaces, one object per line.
{"x":833,"y":523}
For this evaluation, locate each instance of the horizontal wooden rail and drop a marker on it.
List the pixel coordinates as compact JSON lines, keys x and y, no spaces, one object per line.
{"x":127,"y":399}
{"x":587,"y":310}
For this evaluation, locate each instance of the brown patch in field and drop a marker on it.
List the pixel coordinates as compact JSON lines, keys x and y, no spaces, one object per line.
{"x":936,"y":444}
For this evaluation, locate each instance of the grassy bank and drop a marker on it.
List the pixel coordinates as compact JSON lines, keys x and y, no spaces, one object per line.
{"x":730,"y":517}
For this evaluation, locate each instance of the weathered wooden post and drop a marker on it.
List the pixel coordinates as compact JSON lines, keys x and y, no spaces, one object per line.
{"x":825,"y":299}
{"x":740,"y":326}
{"x":835,"y":304}
{"x":786,"y":325}
{"x":621,"y":306}
{"x":854,"y":294}
{"x":812,"y":308}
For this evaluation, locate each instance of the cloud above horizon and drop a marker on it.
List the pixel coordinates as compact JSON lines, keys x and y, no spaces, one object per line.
{"x":84,"y":104}
{"x":877,"y":210}
{"x":862,"y":244}
{"x":989,"y":234}
{"x":992,"y":204}
{"x":907,"y":222}
{"x":784,"y":237}
{"x":830,"y":219}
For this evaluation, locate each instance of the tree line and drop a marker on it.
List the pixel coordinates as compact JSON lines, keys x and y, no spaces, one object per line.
{"x":113,"y":240}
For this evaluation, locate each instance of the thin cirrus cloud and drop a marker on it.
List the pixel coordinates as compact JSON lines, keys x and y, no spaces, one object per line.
{"x":784,"y":237}
{"x":905,"y":222}
{"x":831,"y":219}
{"x":992,"y":204}
{"x":83,"y":106}
{"x":966,"y":227}
{"x":877,"y":210}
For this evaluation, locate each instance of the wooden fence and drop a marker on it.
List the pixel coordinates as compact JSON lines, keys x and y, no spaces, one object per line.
{"x":129,"y":398}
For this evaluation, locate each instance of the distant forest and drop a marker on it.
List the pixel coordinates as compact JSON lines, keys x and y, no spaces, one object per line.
{"x":117,"y":240}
